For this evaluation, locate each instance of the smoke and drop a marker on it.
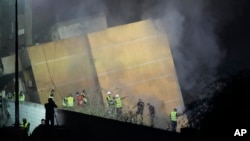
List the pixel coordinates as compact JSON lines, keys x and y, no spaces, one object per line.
{"x":189,"y":26}
{"x":190,"y":30}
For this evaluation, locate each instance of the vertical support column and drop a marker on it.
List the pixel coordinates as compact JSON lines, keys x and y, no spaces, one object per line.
{"x":16,"y":68}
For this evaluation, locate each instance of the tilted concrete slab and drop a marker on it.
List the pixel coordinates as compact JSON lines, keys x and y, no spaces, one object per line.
{"x":62,"y":65}
{"x":135,"y":61}
{"x":132,"y":60}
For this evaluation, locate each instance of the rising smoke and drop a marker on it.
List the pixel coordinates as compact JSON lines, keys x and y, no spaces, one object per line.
{"x":189,"y":26}
{"x":190,"y":30}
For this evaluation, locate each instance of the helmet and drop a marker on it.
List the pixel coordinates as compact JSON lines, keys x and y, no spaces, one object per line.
{"x":116,"y":95}
{"x":108,"y":92}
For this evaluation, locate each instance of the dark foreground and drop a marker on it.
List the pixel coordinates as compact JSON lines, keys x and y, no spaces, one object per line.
{"x":85,"y":127}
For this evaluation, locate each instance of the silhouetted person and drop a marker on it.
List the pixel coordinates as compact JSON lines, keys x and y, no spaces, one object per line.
{"x":140,"y":108}
{"x":41,"y":132}
{"x":151,"y":109}
{"x":50,"y":112}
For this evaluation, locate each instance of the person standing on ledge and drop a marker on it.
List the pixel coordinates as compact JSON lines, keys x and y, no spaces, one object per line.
{"x":50,"y":112}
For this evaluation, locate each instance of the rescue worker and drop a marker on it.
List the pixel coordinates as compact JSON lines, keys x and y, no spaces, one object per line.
{"x":26,"y":126}
{"x":118,"y":106}
{"x":111,"y":103}
{"x":21,"y":96}
{"x":140,"y":108}
{"x":65,"y":102}
{"x":79,"y":99}
{"x":9,"y":96}
{"x":151,"y":109}
{"x":173,"y":119}
{"x":50,"y":112}
{"x":71,"y":101}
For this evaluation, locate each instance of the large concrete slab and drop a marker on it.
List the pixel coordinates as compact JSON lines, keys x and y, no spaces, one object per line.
{"x":62,"y":65}
{"x":135,"y":61}
{"x":132,"y":60}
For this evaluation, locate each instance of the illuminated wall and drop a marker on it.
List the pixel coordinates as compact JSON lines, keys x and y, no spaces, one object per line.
{"x":62,"y":65}
{"x":135,"y":61}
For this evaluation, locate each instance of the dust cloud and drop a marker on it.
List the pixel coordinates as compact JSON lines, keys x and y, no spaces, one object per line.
{"x":190,"y":26}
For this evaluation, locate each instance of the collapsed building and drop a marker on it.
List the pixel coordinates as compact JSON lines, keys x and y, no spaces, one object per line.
{"x":133,"y":60}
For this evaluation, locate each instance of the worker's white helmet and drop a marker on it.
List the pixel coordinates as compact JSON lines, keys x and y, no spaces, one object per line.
{"x":108,"y":92}
{"x":116,"y":95}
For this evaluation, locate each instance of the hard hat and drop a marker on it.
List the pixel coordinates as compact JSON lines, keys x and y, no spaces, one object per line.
{"x":116,"y":95}
{"x":109,"y":92}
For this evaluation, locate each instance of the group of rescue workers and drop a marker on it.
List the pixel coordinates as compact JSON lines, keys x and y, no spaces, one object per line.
{"x":81,"y":99}
{"x":114,"y":106}
{"x":11,"y":96}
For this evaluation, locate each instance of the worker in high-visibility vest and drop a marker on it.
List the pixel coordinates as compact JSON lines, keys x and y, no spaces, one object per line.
{"x":65,"y":102}
{"x":71,"y":101}
{"x":173,"y":119}
{"x":21,"y":96}
{"x":118,"y":106}
{"x":111,"y":103}
{"x":25,"y":125}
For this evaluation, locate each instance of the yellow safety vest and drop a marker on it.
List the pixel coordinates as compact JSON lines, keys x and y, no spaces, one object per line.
{"x":70,"y":101}
{"x":65,"y":101}
{"x":110,"y":101}
{"x":173,"y":116}
{"x":26,"y":126}
{"x":21,"y":97}
{"x":118,"y":102}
